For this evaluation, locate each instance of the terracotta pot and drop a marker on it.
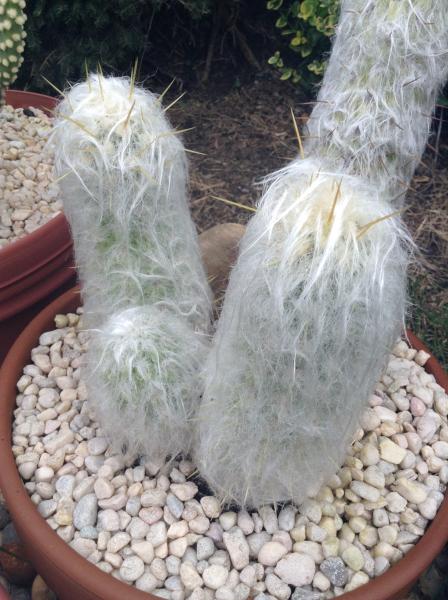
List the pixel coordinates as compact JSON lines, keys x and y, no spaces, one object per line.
{"x":38,"y":267}
{"x":74,"y":578}
{"x":3,"y":593}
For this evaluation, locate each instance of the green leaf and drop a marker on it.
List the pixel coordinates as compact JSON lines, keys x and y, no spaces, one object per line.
{"x":286,"y":74}
{"x":274,"y":4}
{"x":306,"y":9}
{"x":281,"y":22}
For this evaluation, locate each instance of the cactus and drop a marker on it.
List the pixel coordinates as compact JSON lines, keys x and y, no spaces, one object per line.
{"x":318,"y":295}
{"x":146,"y":297}
{"x":12,"y":38}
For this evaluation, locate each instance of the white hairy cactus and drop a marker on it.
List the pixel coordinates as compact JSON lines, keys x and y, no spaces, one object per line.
{"x":146,"y":297}
{"x":318,"y":295}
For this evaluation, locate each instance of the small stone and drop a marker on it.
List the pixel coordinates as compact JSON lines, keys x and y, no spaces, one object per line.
{"x":64,"y":513}
{"x":205,"y":548}
{"x":153,"y":498}
{"x":256,"y":541}
{"x":178,"y":530}
{"x":422,"y":357}
{"x":245,"y":522}
{"x":65,"y":485}
{"x":313,"y":549}
{"x":357,"y":580}
{"x":199,"y":524}
{"x":228,"y":520}
{"x":312,"y":510}
{"x":441,"y":449}
{"x":270,"y":553}
{"x":175,"y":506}
{"x":147,"y":583}
{"x":89,"y":532}
{"x":108,"y":520}
{"x":132,"y":568}
{"x":269,"y":518}
{"x":184,"y":491}
{"x":428,"y":508}
{"x":211,"y":507}
{"x":118,"y":541}
{"x":369,"y":455}
{"x":27,"y":470}
{"x":85,"y":511}
{"x":381,"y":565}
{"x":296,"y":569}
{"x":40,"y":590}
{"x":248,"y":576}
{"x":277,"y":587}
{"x":353,"y":558}
{"x":44,"y":474}
{"x":391,"y":452}
{"x":83,"y":546}
{"x":286,"y":518}
{"x":395,"y":502}
{"x":144,"y":550}
{"x":103,"y":489}
{"x":177,"y":547}
{"x":334,"y":569}
{"x":47,"y":508}
{"x":215,"y":576}
{"x":157,"y":533}
{"x":237,"y":547}
{"x":413,"y":491}
{"x":189,"y":576}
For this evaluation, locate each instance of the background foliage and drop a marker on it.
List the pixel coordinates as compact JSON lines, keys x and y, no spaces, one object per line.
{"x":64,"y":34}
{"x":307,"y":26}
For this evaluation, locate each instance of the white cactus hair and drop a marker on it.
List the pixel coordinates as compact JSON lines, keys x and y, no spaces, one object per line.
{"x":318,"y":295}
{"x":375,"y":107}
{"x":146,"y":298}
{"x":316,"y":300}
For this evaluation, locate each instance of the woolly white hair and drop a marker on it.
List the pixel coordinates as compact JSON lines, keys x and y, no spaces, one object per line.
{"x":316,"y":300}
{"x":375,"y":107}
{"x":146,"y":297}
{"x":318,"y":295}
{"x":145,"y":367}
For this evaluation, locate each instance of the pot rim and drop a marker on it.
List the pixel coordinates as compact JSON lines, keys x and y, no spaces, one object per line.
{"x":47,"y":103}
{"x":75,"y":568}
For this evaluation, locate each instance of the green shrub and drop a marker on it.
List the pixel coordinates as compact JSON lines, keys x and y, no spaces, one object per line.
{"x":64,"y":35}
{"x":307,"y":25}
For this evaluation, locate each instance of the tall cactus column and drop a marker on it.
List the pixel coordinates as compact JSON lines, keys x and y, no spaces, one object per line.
{"x":12,"y":38}
{"x":146,"y":297}
{"x":318,"y":295}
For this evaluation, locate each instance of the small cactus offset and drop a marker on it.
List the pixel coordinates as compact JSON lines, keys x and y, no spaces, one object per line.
{"x":318,"y":295}
{"x":12,"y":42}
{"x":146,"y":296}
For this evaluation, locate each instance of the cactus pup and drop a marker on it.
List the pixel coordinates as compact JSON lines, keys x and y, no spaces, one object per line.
{"x":146,"y":297}
{"x":318,"y":295}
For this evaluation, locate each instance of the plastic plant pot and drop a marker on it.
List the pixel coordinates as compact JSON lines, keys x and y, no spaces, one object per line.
{"x":73,"y":577}
{"x":38,"y":267}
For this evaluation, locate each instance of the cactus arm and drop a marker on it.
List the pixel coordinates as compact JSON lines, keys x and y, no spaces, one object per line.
{"x":318,"y":295}
{"x":146,"y":296}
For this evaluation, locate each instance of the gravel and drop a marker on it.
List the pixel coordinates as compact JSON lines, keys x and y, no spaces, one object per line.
{"x":151,"y":525}
{"x":28,"y":192}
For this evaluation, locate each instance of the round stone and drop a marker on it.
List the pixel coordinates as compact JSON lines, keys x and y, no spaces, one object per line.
{"x":132,"y":568}
{"x":296,"y":569}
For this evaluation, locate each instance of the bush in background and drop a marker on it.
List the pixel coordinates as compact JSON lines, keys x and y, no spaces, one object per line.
{"x":63,"y":35}
{"x":308,"y":26}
